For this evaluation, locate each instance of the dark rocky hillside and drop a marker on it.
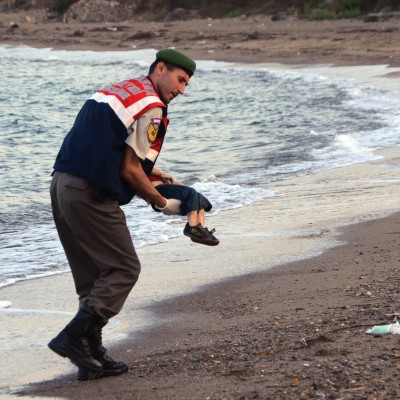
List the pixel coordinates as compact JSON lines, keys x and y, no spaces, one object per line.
{"x":161,"y":10}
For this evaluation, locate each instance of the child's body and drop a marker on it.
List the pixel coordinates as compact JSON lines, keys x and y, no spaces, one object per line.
{"x":193,"y":205}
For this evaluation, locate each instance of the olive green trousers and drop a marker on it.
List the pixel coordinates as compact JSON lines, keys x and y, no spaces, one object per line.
{"x":97,"y":243}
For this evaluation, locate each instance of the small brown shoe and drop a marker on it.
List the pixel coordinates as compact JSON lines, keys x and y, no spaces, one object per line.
{"x":201,"y":235}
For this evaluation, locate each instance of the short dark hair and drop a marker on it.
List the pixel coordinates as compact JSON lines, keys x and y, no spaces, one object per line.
{"x":170,"y":67}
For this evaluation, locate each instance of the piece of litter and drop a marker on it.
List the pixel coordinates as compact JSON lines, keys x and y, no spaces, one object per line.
{"x":394,"y":329}
{"x":304,"y":342}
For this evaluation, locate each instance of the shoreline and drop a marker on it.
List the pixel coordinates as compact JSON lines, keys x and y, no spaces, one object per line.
{"x":263,"y":308}
{"x":243,"y":337}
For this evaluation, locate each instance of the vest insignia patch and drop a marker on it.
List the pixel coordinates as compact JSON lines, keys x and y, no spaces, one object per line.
{"x":152,"y":130}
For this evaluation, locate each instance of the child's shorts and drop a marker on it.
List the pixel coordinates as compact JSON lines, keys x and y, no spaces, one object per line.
{"x":191,"y":199}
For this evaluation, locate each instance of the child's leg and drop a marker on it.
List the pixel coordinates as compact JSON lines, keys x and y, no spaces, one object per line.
{"x":194,"y":205}
{"x":202,"y":217}
{"x":196,"y":217}
{"x":193,"y":218}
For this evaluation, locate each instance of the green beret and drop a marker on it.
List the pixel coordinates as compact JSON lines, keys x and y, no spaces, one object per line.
{"x":178,"y":59}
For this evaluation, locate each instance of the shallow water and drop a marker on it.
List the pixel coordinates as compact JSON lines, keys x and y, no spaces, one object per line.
{"x":237,"y":129}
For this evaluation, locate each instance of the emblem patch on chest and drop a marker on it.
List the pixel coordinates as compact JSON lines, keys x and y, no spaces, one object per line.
{"x":152,"y":130}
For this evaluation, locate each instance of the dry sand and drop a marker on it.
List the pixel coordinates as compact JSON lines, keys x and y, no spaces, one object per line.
{"x":252,"y":39}
{"x":242,"y":339}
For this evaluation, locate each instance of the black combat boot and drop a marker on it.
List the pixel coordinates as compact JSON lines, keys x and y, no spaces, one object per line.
{"x":72,"y":342}
{"x":99,"y":352}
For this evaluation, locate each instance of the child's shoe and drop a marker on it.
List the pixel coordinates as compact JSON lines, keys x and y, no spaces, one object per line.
{"x":201,"y":235}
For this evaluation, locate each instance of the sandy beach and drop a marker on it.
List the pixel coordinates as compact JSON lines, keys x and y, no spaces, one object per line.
{"x":292,"y":329}
{"x":243,"y":339}
{"x":246,"y":39}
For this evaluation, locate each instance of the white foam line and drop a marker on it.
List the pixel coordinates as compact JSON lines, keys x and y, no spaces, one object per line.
{"x":5,"y":304}
{"x":26,"y":311}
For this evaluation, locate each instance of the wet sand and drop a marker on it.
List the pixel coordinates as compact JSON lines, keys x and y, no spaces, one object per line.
{"x":242,"y":336}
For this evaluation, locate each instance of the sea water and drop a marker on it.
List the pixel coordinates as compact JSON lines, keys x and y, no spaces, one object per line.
{"x":237,"y":129}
